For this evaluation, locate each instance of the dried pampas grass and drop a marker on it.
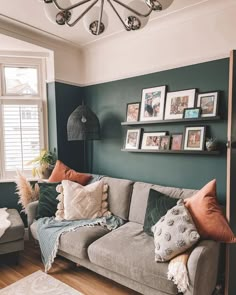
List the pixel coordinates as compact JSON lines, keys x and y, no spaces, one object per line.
{"x":25,"y":191}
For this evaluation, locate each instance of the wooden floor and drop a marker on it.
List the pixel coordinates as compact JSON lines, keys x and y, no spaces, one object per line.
{"x":79,"y":278}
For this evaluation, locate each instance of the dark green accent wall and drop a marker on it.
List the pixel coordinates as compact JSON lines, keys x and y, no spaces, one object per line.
{"x":109,"y":101}
{"x":52,"y":123}
{"x":62,"y":100}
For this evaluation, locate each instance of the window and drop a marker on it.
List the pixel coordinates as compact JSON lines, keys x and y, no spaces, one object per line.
{"x":21,"y":117}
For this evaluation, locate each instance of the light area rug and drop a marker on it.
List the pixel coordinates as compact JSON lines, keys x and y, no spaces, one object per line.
{"x":39,"y":283}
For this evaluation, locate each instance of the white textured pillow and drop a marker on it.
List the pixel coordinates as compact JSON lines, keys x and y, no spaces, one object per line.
{"x":82,"y":202}
{"x":174,"y":233}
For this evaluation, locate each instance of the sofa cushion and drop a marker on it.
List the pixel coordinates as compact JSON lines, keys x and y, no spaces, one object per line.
{"x":157,"y":206}
{"x":47,"y":205}
{"x":119,"y":195}
{"x":84,"y":202}
{"x":174,"y":233}
{"x":62,"y":172}
{"x":16,"y":230}
{"x":130,"y":252}
{"x":76,"y":242}
{"x":140,"y":196}
{"x":208,"y":216}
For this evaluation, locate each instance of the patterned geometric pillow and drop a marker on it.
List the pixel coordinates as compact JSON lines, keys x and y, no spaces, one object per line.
{"x":174,"y":233}
{"x":82,"y":202}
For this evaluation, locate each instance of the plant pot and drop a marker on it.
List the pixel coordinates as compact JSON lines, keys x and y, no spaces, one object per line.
{"x":46,"y":172}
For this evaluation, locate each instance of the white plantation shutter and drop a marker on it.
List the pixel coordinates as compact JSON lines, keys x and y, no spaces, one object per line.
{"x":22,"y":121}
{"x":21,"y":130}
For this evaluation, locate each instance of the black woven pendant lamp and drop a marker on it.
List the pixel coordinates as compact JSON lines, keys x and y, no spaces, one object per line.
{"x":83,"y":124}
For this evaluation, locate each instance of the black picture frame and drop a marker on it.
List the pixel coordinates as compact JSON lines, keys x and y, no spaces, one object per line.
{"x":192,"y":113}
{"x":177,"y":101}
{"x":164,"y":143}
{"x":132,"y":139}
{"x":133,"y":112}
{"x":153,"y":103}
{"x":192,"y":140}
{"x":210,"y":106}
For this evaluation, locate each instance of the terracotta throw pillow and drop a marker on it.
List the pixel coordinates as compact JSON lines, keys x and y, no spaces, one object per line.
{"x":208,"y":216}
{"x":63,"y":172}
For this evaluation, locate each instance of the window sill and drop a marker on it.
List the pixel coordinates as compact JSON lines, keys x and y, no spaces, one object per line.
{"x":6,"y":180}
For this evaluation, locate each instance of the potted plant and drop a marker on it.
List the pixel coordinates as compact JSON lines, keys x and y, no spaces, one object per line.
{"x":43,"y":164}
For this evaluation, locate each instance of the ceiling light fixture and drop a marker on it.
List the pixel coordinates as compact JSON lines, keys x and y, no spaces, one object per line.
{"x":136,"y":13}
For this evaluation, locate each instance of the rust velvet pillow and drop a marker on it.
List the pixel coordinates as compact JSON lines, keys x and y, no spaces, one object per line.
{"x":208,"y":216}
{"x":63,"y":172}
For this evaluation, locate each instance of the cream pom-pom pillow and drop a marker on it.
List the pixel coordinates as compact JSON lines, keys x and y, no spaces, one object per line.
{"x":82,"y":202}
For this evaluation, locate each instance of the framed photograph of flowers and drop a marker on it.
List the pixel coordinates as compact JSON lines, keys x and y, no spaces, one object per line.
{"x":177,"y":101}
{"x":152,"y":105}
{"x":132,"y":140}
{"x":208,"y":102}
{"x":194,"y":138}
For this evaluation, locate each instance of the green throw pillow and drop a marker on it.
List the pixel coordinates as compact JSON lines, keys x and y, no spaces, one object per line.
{"x":47,"y":206}
{"x":157,"y":206}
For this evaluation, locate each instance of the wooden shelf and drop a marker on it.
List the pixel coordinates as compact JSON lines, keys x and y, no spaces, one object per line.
{"x":212,"y":153}
{"x":204,"y":119}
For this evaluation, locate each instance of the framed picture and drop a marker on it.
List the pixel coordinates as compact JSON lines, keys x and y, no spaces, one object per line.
{"x":164,"y":143}
{"x":132,"y":113}
{"x":151,"y":140}
{"x":208,"y":102}
{"x":176,"y":141}
{"x":152,"y":105}
{"x":132,"y":141}
{"x":194,"y":138}
{"x":177,"y":101}
{"x":192,"y":113}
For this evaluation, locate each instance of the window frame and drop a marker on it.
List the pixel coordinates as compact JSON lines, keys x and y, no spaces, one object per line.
{"x":27,"y":99}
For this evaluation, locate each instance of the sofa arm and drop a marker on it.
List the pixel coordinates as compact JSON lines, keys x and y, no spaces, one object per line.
{"x":203,"y":268}
{"x":31,"y":211}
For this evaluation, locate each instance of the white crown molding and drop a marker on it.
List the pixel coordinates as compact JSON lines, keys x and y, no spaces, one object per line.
{"x":68,"y":83}
{"x":19,"y":53}
{"x":28,"y":33}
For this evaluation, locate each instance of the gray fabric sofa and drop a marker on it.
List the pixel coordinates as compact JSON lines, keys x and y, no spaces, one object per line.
{"x":126,"y":255}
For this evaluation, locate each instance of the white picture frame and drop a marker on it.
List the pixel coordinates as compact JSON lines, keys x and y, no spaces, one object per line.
{"x":177,"y":101}
{"x":151,"y":140}
{"x":153,"y":102}
{"x":132,"y":141}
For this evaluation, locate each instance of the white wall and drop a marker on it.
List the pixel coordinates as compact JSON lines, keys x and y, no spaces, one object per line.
{"x":202,"y":33}
{"x":67,"y":58}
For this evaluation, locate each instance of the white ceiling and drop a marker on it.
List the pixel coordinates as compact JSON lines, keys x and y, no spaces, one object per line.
{"x":31,"y":13}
